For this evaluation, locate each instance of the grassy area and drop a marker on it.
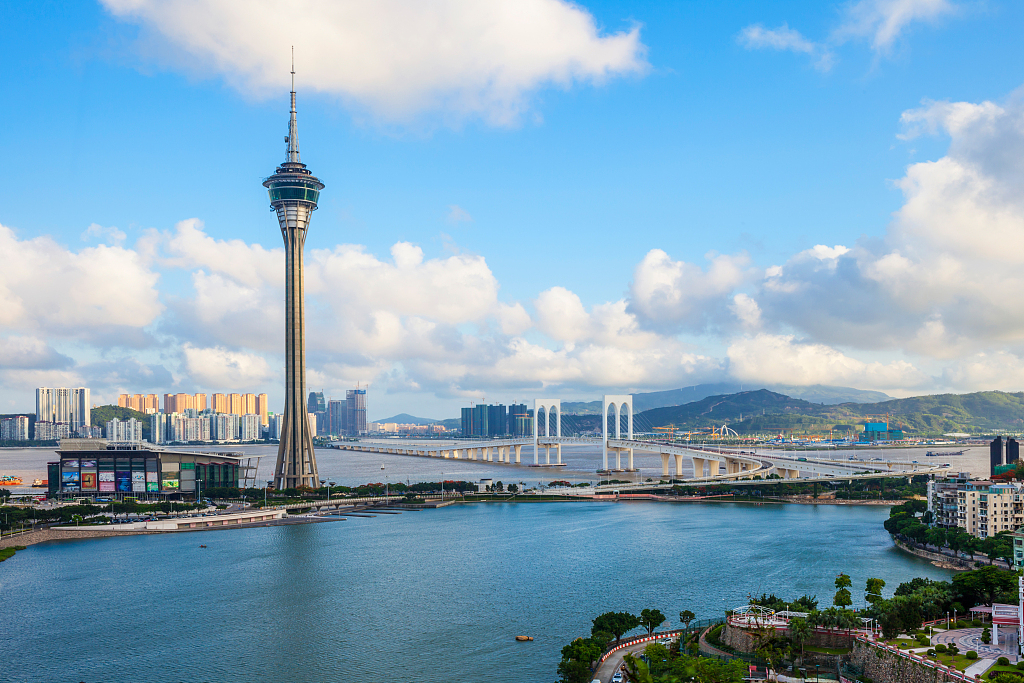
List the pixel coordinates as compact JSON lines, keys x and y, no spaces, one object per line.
{"x":904,"y":643}
{"x":6,"y":553}
{"x":959,"y":662}
{"x":1010,"y":668}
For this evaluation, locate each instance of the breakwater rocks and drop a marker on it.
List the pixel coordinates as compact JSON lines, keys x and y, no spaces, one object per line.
{"x":43,"y":535}
{"x":883,"y":666}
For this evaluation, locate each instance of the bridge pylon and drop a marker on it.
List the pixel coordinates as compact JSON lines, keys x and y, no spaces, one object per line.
{"x":619,"y":402}
{"x":547,"y":405}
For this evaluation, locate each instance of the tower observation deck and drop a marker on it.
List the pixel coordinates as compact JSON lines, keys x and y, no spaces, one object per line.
{"x":294,"y":192}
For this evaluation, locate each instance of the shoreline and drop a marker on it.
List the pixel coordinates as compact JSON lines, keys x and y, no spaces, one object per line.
{"x":938,"y":559}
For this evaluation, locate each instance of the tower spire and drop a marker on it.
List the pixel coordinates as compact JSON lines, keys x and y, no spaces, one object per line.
{"x":293,"y":127}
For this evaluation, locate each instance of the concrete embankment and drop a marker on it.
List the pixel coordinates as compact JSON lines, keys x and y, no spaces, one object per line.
{"x":58,"y":534}
{"x":938,"y":559}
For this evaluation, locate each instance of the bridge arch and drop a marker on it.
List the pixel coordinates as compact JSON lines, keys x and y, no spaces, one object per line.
{"x":621,"y":403}
{"x":550,"y":407}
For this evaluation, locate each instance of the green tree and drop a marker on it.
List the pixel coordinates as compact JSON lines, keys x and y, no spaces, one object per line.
{"x":843,"y":598}
{"x":982,"y":586}
{"x":873,"y":590}
{"x":651,"y":619}
{"x":573,"y":671}
{"x":799,"y":632}
{"x":637,"y":670}
{"x":615,"y":623}
{"x":685,"y":617}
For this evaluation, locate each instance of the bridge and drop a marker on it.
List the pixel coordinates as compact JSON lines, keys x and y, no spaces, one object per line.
{"x":709,"y":463}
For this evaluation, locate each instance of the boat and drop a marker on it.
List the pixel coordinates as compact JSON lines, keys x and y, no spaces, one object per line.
{"x":523,"y":639}
{"x":39,"y":483}
{"x":934,"y":454}
{"x":10,"y":480}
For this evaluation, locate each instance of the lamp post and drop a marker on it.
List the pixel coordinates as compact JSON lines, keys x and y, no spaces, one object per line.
{"x":329,"y":485}
{"x":269,"y":482}
{"x":199,"y":492}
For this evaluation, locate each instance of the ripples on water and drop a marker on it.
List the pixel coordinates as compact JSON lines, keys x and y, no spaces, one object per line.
{"x":423,"y":596}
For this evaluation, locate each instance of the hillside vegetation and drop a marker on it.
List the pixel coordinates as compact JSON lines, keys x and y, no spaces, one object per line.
{"x":765,"y":411}
{"x":100,"y":415}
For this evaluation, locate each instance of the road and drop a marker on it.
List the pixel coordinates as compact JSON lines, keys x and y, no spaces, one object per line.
{"x":611,"y":665}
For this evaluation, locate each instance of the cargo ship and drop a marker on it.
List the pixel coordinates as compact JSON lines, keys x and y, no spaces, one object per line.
{"x":9,"y":480}
{"x":39,"y":483}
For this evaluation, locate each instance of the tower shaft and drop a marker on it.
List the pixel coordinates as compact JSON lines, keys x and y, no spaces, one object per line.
{"x":294,"y":192}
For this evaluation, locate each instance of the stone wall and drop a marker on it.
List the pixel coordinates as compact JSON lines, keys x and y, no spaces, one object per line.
{"x":739,"y":639}
{"x":945,"y":561}
{"x":882,"y":666}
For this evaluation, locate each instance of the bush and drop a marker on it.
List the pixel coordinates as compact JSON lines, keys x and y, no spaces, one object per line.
{"x":923,"y":639}
{"x":930,"y":653}
{"x":1020,"y":665}
{"x":940,"y":648}
{"x":971,"y":654}
{"x":961,"y":624}
{"x":1003,"y":661}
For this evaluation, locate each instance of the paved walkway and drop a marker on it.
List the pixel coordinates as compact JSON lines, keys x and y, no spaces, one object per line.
{"x":970,"y":639}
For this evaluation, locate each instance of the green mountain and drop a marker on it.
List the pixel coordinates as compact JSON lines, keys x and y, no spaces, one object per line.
{"x":407,"y":419}
{"x":766,"y":411}
{"x":815,"y":393}
{"x":100,"y":415}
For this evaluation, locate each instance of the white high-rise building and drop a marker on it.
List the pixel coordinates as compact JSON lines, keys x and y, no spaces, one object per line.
{"x":158,"y":428}
{"x":129,"y":430}
{"x":63,"y":404}
{"x":224,"y":426}
{"x":250,"y":428}
{"x":14,"y":428}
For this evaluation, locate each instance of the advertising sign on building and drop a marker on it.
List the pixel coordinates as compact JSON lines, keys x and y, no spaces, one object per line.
{"x":124,"y":481}
{"x":139,"y":482}
{"x":89,"y":481}
{"x":107,"y":481}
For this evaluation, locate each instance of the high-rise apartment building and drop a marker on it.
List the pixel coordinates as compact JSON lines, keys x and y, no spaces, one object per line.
{"x":158,"y":428}
{"x":220,"y":404}
{"x":355,"y":419}
{"x":520,"y":420}
{"x":127,"y":431}
{"x":248,"y":404}
{"x":235,"y":403}
{"x":143,"y":403}
{"x":250,"y":428}
{"x":51,"y":431}
{"x":14,"y":428}
{"x":64,"y":405}
{"x":262,"y":409}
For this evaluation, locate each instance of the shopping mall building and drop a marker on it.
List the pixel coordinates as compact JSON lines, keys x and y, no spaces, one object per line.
{"x":106,"y":469}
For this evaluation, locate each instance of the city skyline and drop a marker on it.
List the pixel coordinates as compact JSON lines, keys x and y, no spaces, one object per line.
{"x":783,"y":193}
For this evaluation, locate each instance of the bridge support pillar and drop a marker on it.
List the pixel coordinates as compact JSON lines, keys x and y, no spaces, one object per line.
{"x":664,"y":464}
{"x":519,"y":450}
{"x":630,"y":459}
{"x":559,"y":449}
{"x":485,"y":454}
{"x":618,"y":458}
{"x":679,"y":465}
{"x":547,"y":454}
{"x":698,"y":468}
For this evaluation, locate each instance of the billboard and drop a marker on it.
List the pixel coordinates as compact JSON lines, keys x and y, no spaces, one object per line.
{"x":69,"y":478}
{"x":70,"y":464}
{"x":139,"y":481}
{"x":107,"y":481}
{"x":152,"y":486}
{"x":124,"y":481}
{"x":89,"y":480}
{"x":171,"y":483}
{"x":151,"y":475}
{"x":88,"y":463}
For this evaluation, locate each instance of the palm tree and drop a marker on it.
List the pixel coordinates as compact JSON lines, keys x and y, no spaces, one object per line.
{"x":799,"y":632}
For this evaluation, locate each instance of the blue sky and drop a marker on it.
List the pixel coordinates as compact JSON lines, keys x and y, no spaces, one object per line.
{"x":750,"y":133}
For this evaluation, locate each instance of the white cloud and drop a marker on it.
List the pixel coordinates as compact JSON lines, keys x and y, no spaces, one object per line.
{"x":675,"y":294}
{"x":757,"y":37}
{"x":393,"y":58}
{"x":883,"y":21}
{"x":456,"y":214}
{"x":217,"y":367}
{"x":781,"y":359}
{"x":31,"y":353}
{"x":109,"y":235}
{"x":100,"y":291}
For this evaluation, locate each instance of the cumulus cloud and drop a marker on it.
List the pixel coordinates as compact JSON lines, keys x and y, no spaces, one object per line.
{"x":392,"y":58}
{"x":217,"y":367}
{"x":31,"y":353}
{"x":781,"y":359}
{"x":668,"y":294}
{"x":100,"y":292}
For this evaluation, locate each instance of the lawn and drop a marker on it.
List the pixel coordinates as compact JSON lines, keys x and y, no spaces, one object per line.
{"x":1006,"y":669}
{"x":959,"y":662}
{"x":828,"y":650}
{"x":904,"y":643}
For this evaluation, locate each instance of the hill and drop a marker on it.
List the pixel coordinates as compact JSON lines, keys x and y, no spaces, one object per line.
{"x":100,"y":415}
{"x":765,"y":411}
{"x":816,"y":393}
{"x":407,"y":419}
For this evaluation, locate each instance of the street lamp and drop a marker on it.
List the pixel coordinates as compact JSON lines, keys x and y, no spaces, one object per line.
{"x":269,"y":482}
{"x":329,"y":485}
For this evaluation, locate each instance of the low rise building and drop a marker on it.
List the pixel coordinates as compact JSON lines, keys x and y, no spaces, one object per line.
{"x":14,"y":428}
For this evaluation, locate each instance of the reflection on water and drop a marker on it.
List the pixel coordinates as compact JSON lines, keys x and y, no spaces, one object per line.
{"x":423,"y":596}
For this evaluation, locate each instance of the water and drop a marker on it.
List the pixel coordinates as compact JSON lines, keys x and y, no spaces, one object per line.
{"x":350,"y":468}
{"x":423,"y":596}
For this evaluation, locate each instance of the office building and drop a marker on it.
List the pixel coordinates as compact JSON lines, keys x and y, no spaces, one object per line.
{"x":64,"y":405}
{"x":520,"y":420}
{"x":336,"y":413}
{"x":355,"y":419}
{"x":497,"y":420}
{"x":316,"y":405}
{"x":14,"y":428}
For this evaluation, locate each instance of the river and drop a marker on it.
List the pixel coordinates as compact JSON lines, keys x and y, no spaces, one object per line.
{"x":423,"y":596}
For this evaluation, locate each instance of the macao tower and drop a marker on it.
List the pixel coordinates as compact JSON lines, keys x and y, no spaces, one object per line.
{"x":294,"y":191}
